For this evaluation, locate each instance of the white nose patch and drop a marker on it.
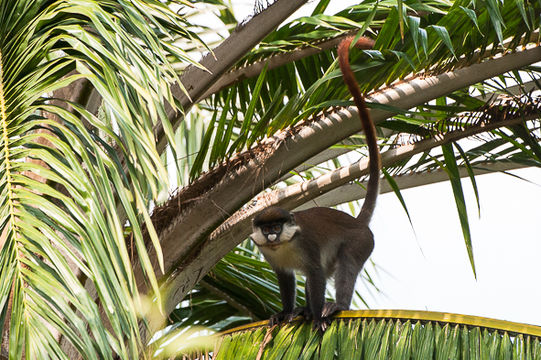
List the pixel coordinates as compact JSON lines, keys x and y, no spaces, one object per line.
{"x":272,"y":237}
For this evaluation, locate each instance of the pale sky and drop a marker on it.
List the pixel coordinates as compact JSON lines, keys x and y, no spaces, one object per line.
{"x":506,"y":241}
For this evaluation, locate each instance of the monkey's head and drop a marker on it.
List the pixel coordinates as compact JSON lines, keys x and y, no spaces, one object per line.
{"x":273,"y":226}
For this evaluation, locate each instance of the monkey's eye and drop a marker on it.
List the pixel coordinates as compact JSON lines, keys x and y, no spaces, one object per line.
{"x":271,"y":229}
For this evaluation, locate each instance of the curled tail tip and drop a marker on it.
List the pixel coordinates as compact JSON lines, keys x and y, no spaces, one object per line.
{"x":363,"y":43}
{"x":344,"y":44}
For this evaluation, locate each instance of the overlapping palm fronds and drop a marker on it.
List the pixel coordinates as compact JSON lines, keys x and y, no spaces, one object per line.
{"x":70,"y":179}
{"x":371,"y":335}
{"x":314,"y":82}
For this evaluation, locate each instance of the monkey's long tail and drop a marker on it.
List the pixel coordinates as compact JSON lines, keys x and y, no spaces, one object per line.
{"x":372,"y":189}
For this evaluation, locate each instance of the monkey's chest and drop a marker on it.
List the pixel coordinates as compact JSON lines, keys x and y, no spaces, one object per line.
{"x":284,"y":256}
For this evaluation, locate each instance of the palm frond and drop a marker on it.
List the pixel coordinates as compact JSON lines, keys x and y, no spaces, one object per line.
{"x":385,"y":334}
{"x":71,"y":179}
{"x":299,"y":52}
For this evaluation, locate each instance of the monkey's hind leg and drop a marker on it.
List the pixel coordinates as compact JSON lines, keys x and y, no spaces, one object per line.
{"x":349,"y":265}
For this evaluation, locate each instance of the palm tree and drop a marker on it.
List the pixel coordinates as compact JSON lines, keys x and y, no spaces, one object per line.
{"x":101,"y":104}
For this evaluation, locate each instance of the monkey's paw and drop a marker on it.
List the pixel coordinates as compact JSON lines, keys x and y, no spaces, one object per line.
{"x":281,"y":317}
{"x":303,"y":311}
{"x":322,"y":324}
{"x":329,"y":309}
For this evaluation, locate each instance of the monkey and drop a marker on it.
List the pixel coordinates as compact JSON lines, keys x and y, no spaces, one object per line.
{"x":322,"y":242}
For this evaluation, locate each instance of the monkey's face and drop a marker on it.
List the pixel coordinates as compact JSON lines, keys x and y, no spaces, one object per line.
{"x":272,"y":231}
{"x":267,"y":234}
{"x":272,"y":227}
{"x":274,"y":234}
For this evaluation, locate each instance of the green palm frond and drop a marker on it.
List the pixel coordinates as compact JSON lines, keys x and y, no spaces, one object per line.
{"x":382,"y":334}
{"x":71,"y":179}
{"x":314,"y":81}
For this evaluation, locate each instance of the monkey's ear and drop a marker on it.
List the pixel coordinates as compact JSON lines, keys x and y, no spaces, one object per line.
{"x":292,"y":217}
{"x":254,"y":220}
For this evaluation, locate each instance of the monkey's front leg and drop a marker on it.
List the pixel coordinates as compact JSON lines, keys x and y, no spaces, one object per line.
{"x":315,"y":284}
{"x":288,"y":287}
{"x":305,"y":311}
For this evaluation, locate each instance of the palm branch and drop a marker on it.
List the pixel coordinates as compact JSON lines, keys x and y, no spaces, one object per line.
{"x":71,"y":178}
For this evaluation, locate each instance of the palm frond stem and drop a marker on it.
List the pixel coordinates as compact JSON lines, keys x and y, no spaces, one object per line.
{"x":356,"y":191}
{"x":342,"y":148}
{"x":5,"y":140}
{"x":300,"y":193}
{"x":511,"y":327}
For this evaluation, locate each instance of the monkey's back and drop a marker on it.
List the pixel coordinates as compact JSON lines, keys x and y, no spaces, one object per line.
{"x":332,"y":232}
{"x":327,"y":219}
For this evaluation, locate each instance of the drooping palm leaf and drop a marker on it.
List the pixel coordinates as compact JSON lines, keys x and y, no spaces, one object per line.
{"x":70,"y":179}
